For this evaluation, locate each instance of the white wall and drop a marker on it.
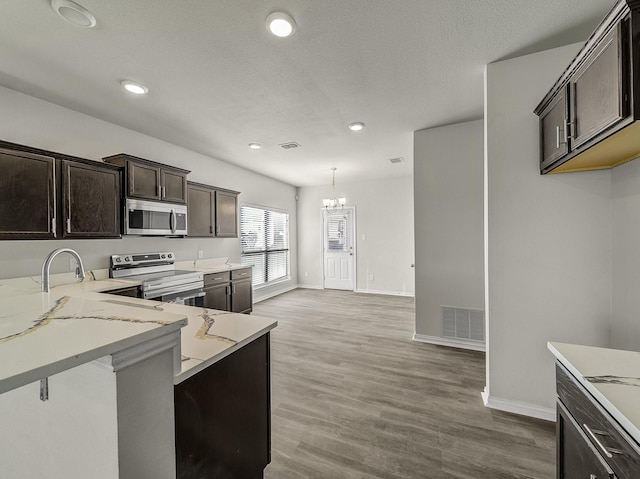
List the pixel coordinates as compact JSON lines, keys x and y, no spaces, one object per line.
{"x":625,"y":328}
{"x":549,"y":242}
{"x":30,"y":121}
{"x":448,"y":196}
{"x":384,"y":214}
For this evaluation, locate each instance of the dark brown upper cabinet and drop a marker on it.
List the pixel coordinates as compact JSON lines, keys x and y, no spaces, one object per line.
{"x":27,"y":195}
{"x":590,"y":119}
{"x":146,"y":179}
{"x":226,"y":214}
{"x":212,"y":211}
{"x":91,"y":200}
{"x":46,"y":195}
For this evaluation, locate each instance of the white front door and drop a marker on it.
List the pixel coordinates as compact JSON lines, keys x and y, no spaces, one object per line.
{"x":339,"y":251}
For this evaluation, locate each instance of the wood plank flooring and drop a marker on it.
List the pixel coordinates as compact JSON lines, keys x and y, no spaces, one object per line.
{"x":354,"y":397}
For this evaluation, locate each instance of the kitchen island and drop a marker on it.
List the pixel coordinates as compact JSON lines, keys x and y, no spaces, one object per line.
{"x":598,"y":414}
{"x":96,"y":423}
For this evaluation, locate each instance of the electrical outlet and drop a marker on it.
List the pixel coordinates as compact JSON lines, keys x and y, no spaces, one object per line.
{"x":371,"y":277}
{"x":200,"y":254}
{"x":306,"y":273}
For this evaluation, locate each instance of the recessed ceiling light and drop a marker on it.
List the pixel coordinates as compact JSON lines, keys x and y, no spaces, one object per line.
{"x":255,"y":146}
{"x":357,"y":126}
{"x":133,"y":87}
{"x":281,"y":24}
{"x":74,"y":13}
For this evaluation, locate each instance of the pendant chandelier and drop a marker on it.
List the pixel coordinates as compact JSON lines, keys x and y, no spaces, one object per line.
{"x":334,"y":202}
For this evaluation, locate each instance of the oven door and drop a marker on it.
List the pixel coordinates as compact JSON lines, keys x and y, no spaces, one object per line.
{"x":194,"y":297}
{"x":154,"y":218}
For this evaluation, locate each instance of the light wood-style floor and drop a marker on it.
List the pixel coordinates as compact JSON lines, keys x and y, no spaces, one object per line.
{"x":354,"y":397}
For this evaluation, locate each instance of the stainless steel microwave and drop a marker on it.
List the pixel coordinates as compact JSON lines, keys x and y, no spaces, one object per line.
{"x":152,"y":218}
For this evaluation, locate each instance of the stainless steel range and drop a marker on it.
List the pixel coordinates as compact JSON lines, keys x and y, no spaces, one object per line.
{"x":160,"y":280}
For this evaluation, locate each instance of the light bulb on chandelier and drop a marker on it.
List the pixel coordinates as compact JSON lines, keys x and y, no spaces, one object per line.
{"x":334,"y":202}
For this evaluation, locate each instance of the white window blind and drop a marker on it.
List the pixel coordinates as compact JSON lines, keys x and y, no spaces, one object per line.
{"x":264,"y":235}
{"x":337,"y":232}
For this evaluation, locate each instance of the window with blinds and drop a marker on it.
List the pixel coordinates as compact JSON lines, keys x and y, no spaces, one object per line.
{"x":264,"y":235}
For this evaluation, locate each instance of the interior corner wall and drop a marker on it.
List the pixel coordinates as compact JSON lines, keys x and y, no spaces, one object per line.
{"x":625,"y":324}
{"x":384,"y":234}
{"x":448,"y":204}
{"x":549,"y":241}
{"x":30,"y":121}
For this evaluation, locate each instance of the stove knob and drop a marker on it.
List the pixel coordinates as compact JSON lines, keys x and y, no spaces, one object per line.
{"x":162,"y":256}
{"x":118,"y":260}
{"x":126,"y":258}
{"x":170,"y":255}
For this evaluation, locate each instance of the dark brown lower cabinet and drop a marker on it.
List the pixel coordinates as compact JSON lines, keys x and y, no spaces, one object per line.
{"x":241,"y":296}
{"x":591,"y":444}
{"x":223,"y":417}
{"x":577,"y":458}
{"x":217,"y":297}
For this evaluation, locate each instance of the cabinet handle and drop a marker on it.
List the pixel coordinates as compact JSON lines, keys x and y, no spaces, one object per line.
{"x":159,"y":192}
{"x":68,"y":225}
{"x":211,"y":229}
{"x":164,"y":192}
{"x":217,"y":230}
{"x":234,"y":289}
{"x":597,"y":441}
{"x":53,"y":226}
{"x":564,"y":136}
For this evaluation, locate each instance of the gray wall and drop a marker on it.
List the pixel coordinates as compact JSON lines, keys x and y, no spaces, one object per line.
{"x":34,"y":122}
{"x":625,"y":205}
{"x":548,"y":263}
{"x":384,"y":215}
{"x":448,"y":203}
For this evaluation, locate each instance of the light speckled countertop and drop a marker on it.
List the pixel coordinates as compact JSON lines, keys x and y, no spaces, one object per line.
{"x":42,"y":334}
{"x":611,"y":376}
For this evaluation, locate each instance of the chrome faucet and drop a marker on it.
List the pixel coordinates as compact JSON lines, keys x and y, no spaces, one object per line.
{"x":46,"y":266}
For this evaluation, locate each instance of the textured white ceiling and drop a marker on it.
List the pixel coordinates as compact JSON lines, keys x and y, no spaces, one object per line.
{"x":218,"y":80}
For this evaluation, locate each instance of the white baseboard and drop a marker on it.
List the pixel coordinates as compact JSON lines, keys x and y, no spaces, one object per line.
{"x":387,"y":293}
{"x":451,"y":342}
{"x":309,"y":286}
{"x":273,"y":294}
{"x":517,"y":407}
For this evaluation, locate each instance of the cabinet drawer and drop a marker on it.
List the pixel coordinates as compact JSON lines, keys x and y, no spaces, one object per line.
{"x":619,"y":450}
{"x":216,"y":278}
{"x":244,"y":273}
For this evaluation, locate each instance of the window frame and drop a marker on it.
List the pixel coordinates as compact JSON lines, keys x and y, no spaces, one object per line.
{"x":266,"y":251}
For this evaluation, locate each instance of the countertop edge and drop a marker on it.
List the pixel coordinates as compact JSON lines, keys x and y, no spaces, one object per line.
{"x":51,"y":369}
{"x":627,"y":425}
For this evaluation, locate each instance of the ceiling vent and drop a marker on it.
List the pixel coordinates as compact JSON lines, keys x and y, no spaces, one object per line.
{"x":289,"y":145}
{"x":396,"y":160}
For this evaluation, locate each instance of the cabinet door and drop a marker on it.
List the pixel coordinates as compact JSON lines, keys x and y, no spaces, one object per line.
{"x":226,"y":214}
{"x":217,"y":297}
{"x":174,"y":186}
{"x":577,"y":457}
{"x":599,"y":91}
{"x":91,"y":201}
{"x":27,"y":196}
{"x":223,"y":417}
{"x":553,"y":131}
{"x":241,"y":296}
{"x":143,"y":181}
{"x":200,"y":204}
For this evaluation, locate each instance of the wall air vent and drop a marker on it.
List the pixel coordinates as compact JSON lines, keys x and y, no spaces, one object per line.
{"x":290,"y":145}
{"x":396,"y":160}
{"x":464,"y":324}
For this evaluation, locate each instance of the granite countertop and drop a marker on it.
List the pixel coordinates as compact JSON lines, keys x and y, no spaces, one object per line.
{"x":611,"y":376}
{"x":42,"y":334}
{"x":45,"y":333}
